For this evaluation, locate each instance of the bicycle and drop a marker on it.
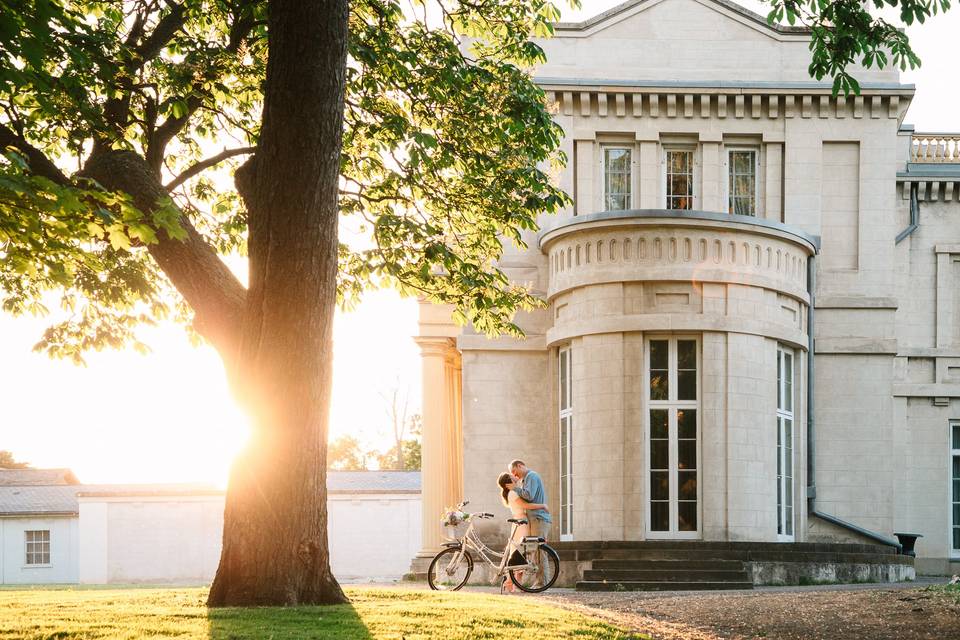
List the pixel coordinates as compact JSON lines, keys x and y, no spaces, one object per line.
{"x":531,"y":564}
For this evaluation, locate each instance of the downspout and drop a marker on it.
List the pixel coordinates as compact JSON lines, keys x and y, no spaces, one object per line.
{"x":811,"y":431}
{"x":914,"y":214}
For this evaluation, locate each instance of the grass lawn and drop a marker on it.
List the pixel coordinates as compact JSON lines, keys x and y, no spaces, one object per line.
{"x":34,"y":614}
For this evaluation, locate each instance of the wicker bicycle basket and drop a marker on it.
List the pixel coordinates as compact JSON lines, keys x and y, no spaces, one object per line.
{"x":454,"y":532}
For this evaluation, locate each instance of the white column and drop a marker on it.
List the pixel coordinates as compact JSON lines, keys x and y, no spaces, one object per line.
{"x":441,"y":471}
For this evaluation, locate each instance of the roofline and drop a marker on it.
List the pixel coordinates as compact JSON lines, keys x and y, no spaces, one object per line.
{"x":150,"y":494}
{"x":677,"y":217}
{"x":38,"y":514}
{"x":346,"y":492}
{"x":727,"y":4}
{"x":758,"y":85}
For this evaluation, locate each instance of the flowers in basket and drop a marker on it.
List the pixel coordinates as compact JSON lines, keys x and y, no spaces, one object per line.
{"x":452,"y":521}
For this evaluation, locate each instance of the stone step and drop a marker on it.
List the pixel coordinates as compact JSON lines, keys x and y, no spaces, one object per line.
{"x":636,"y":585}
{"x":665,"y":554}
{"x":667,"y":565}
{"x":665,"y":575}
{"x":804,"y":547}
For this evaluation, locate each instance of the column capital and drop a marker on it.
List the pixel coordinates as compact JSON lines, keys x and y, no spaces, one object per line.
{"x":435,"y":346}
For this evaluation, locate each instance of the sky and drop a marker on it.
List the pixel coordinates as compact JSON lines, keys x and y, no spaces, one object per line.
{"x":168,"y":416}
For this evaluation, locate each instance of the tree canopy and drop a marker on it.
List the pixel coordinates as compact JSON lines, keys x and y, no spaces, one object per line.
{"x":444,"y":148}
{"x":446,"y":142}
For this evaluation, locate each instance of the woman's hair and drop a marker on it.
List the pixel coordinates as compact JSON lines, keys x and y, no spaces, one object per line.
{"x":502,"y":482}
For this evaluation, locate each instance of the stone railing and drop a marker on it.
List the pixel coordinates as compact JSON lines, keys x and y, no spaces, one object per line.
{"x":935,"y":147}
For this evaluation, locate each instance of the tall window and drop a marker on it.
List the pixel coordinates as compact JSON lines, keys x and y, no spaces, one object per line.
{"x":679,"y":178}
{"x":38,"y":547}
{"x":566,"y":442}
{"x":742,"y":184}
{"x":955,"y":488}
{"x":616,"y":178}
{"x":784,"y":443}
{"x":672,"y":365}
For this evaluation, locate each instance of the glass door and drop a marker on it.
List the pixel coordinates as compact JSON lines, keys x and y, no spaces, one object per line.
{"x":672,"y":438}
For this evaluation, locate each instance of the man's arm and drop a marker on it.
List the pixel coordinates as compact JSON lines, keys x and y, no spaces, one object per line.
{"x":531,"y":484}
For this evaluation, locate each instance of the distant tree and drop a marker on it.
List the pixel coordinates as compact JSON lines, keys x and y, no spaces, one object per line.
{"x":345,"y":454}
{"x":410,"y":448}
{"x":397,"y":406}
{"x":411,"y":455}
{"x":7,"y":461}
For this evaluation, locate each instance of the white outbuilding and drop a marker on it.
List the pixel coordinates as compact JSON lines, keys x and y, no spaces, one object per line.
{"x":55,"y":530}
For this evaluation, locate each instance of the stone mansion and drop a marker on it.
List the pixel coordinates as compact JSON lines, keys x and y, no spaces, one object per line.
{"x":753,"y":320}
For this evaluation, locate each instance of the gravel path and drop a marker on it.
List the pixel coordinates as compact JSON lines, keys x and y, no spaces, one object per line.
{"x":907,"y":611}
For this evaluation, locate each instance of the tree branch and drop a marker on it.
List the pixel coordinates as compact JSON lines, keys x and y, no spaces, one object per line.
{"x":40,"y":164}
{"x":206,"y":164}
{"x":163,"y":134}
{"x":193,"y":266}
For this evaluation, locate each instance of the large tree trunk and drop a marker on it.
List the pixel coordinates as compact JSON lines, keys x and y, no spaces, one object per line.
{"x":275,"y":549}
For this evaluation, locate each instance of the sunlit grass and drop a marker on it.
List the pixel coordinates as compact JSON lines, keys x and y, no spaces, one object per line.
{"x":373,"y":613}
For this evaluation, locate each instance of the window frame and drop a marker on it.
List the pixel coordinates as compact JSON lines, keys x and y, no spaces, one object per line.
{"x":45,"y":548}
{"x":672,"y":405}
{"x":565,"y":413}
{"x":952,"y":523}
{"x":728,"y":150}
{"x":784,"y":414}
{"x":694,"y":150}
{"x":612,"y":146}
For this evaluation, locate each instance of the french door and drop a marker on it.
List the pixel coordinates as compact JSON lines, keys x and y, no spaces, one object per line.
{"x":785,"y":444}
{"x":672,"y":443}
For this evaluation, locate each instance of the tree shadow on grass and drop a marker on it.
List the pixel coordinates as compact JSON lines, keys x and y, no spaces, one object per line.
{"x":337,"y":622}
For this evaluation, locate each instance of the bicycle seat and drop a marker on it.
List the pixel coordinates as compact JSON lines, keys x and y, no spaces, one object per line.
{"x":517,"y":520}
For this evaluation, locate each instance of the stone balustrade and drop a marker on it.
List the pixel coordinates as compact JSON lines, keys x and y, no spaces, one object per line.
{"x":935,"y":148}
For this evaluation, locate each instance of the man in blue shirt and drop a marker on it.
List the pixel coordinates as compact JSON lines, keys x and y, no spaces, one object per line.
{"x":530,"y":488}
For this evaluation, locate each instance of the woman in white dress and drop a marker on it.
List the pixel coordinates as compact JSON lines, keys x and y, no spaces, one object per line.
{"x":518,"y":508}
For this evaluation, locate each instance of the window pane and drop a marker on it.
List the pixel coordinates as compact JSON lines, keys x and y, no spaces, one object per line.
{"x":686,"y":385}
{"x":956,"y":514}
{"x":658,"y":354}
{"x":659,"y":454}
{"x":956,"y":490}
{"x":956,"y":436}
{"x":687,"y":515}
{"x":659,"y":516}
{"x":563,"y":380}
{"x":659,"y":485}
{"x":658,"y":423}
{"x":686,"y":423}
{"x":687,"y":485}
{"x":687,"y":454}
{"x":686,"y":354}
{"x":956,"y":467}
{"x":789,"y":518}
{"x":956,"y":538}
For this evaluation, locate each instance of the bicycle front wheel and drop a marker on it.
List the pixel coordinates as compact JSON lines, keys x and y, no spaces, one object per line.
{"x":450,"y":570}
{"x":545,"y":571}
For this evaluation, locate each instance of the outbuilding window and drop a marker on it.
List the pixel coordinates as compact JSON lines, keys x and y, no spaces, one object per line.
{"x":37,"y":547}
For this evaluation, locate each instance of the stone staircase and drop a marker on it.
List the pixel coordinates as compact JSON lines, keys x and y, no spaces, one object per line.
{"x":703,"y":565}
{"x":667,"y":570}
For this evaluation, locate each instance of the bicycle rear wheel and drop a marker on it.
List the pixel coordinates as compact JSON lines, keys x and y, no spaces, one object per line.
{"x":449,"y":570}
{"x":546,"y":572}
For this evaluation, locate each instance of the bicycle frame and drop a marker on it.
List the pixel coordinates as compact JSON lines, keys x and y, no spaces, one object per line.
{"x":470,"y":541}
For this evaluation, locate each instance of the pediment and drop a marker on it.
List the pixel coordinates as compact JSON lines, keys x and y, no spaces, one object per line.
{"x":658,"y":18}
